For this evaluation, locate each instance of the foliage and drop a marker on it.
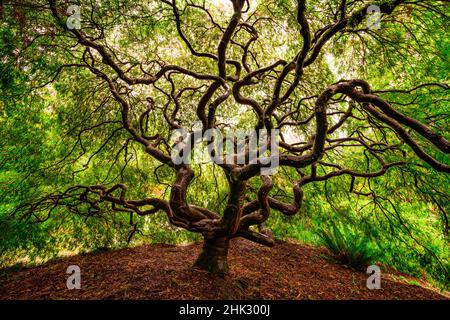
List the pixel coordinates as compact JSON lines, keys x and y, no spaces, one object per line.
{"x":348,"y":246}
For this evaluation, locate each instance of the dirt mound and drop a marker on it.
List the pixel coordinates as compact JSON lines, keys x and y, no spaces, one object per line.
{"x":286,"y":271}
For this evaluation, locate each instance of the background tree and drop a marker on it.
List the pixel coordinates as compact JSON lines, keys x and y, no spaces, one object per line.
{"x":134,"y":72}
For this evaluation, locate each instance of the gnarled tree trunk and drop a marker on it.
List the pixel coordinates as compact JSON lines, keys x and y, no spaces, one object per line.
{"x":213,"y":257}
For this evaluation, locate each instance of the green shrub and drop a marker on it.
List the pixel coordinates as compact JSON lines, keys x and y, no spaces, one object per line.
{"x":348,"y":246}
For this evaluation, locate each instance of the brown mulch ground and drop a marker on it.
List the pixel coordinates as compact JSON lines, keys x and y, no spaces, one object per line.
{"x":286,"y":271}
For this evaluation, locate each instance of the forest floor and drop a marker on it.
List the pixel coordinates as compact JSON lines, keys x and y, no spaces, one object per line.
{"x":286,"y":271}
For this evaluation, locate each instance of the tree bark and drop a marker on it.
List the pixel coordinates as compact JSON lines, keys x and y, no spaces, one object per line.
{"x":214,"y":256}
